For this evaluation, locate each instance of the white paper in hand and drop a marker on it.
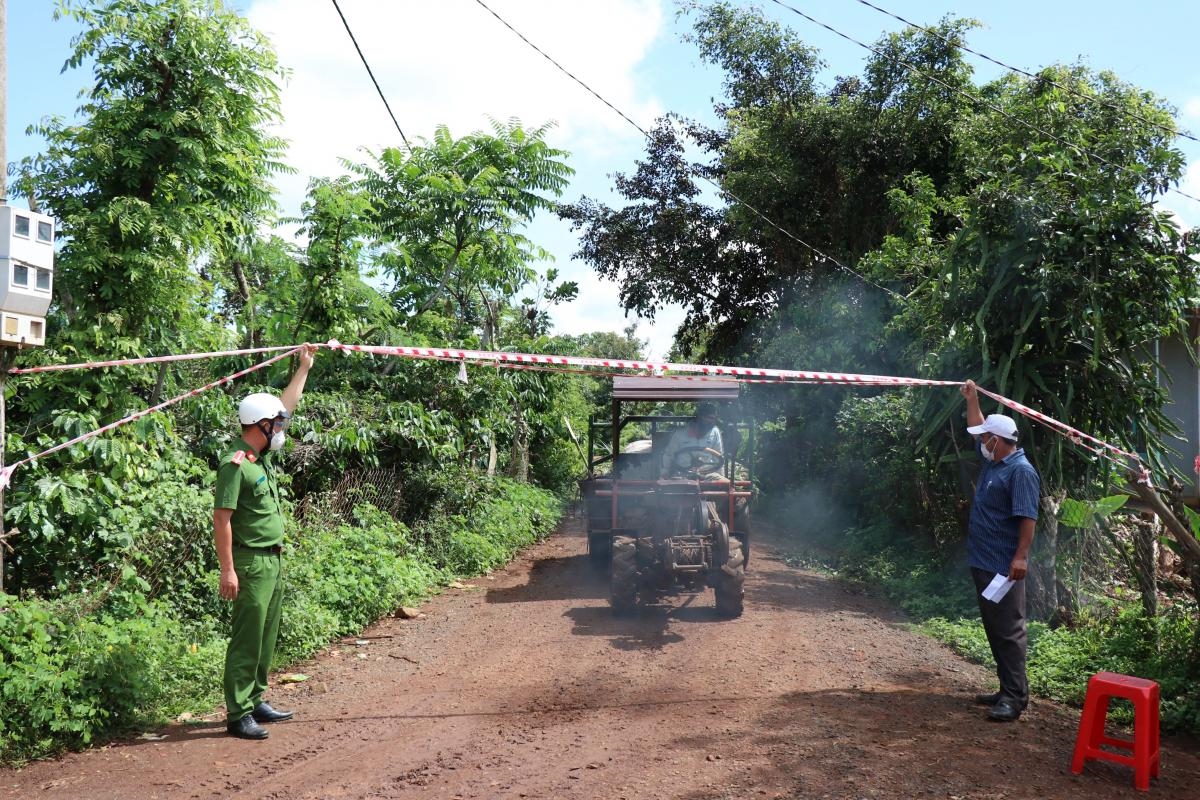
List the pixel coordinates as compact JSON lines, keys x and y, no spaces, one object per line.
{"x":999,"y":587}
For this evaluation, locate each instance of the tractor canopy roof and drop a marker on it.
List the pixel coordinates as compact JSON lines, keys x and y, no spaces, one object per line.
{"x":669,"y":389}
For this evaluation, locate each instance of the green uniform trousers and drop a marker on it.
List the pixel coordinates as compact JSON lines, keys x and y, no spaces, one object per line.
{"x":255,"y":628}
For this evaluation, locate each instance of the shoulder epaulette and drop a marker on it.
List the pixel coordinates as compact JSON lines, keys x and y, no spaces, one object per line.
{"x":238,"y":456}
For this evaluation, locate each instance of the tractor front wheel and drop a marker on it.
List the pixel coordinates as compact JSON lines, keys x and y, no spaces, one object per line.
{"x":623,"y":592}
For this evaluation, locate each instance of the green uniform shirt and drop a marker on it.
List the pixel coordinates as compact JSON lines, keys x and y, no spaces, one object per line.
{"x":246,"y":484}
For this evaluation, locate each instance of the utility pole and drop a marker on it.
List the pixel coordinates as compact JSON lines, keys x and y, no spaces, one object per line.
{"x":3,"y":201}
{"x":3,"y":102}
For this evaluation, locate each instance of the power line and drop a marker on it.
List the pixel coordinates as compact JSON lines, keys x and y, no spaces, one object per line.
{"x":372,"y":74}
{"x":973,"y":98}
{"x":824,"y":256}
{"x":1026,"y":73}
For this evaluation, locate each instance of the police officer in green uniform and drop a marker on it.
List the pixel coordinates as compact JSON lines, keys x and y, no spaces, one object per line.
{"x":248,"y":527}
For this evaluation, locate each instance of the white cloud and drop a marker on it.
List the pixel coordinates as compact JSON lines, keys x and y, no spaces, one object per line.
{"x":451,"y":62}
{"x":598,"y":309}
{"x":1191,"y":108}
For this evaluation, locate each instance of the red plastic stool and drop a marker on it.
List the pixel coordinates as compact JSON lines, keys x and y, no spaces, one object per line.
{"x":1142,"y":753}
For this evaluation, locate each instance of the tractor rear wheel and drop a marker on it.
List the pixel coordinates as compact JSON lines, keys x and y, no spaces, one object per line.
{"x":730,"y":582}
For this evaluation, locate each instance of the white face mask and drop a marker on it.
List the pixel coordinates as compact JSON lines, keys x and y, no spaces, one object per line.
{"x":275,"y":439}
{"x":988,"y":453}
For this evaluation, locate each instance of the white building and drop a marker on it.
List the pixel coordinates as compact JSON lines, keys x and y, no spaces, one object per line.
{"x":26,"y":275}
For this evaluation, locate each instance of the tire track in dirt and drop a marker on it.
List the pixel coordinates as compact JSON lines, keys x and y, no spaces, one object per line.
{"x":524,"y":685}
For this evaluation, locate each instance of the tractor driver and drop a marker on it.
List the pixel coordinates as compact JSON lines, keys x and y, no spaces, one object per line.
{"x":697,"y":444}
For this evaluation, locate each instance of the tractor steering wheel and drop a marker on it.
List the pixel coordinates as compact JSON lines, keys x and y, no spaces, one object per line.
{"x":699,"y":459}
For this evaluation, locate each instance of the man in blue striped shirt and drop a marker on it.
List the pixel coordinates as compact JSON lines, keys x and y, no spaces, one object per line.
{"x":999,"y":535}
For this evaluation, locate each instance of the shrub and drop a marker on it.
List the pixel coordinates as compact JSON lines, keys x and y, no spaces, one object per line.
{"x":1121,"y":640}
{"x":340,"y":579}
{"x":492,"y":519}
{"x":68,"y":678}
{"x":87,"y":666}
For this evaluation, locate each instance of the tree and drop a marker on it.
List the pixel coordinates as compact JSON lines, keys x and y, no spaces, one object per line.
{"x":817,"y":163}
{"x":1006,"y":232}
{"x":449,"y":215}
{"x":170,"y":158}
{"x":168,"y":162}
{"x":670,"y":247}
{"x":1051,"y":275}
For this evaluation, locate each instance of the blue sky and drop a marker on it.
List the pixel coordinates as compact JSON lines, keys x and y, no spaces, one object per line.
{"x":449,"y":61}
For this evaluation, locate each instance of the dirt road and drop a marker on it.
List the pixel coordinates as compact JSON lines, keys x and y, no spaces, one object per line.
{"x":523,"y":685}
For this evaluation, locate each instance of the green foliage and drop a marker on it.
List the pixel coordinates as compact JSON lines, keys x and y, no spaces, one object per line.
{"x":817,"y":162}
{"x":876,"y":456}
{"x":1045,"y":275}
{"x":1080,"y":514}
{"x":449,"y":213}
{"x":94,"y":664}
{"x":1122,"y":640}
{"x":475,"y":531}
{"x":340,"y":578}
{"x":275,"y":291}
{"x":169,"y":159}
{"x":160,"y":189}
{"x":80,"y":511}
{"x":965,"y":636}
{"x":1193,"y":519}
{"x":69,"y":675}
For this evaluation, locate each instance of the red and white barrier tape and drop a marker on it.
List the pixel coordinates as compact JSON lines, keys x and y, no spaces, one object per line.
{"x":502,"y":358}
{"x":613,"y":367}
{"x":6,"y":473}
{"x":1086,"y":441}
{"x":601,"y":367}
{"x":125,"y":362}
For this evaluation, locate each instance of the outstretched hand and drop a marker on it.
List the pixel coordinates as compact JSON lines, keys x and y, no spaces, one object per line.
{"x":307,"y":353}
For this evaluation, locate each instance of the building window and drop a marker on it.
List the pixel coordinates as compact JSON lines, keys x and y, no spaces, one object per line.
{"x":45,"y":232}
{"x":43,"y":280}
{"x":10,"y":325}
{"x":35,"y":329}
{"x":20,"y":275}
{"x":22,"y":226}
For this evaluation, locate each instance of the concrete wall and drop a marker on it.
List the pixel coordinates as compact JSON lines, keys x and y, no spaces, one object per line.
{"x":1182,"y":379}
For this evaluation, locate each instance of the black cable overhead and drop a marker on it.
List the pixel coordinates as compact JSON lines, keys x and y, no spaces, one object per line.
{"x":973,"y":98}
{"x":1026,"y":73}
{"x":363,"y":58}
{"x":825,"y":257}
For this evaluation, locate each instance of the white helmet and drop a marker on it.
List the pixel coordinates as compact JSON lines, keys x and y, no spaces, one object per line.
{"x":259,"y":406}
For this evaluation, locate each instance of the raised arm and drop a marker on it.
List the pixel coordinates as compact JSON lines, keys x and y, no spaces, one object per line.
{"x":974,"y":415}
{"x":295,"y":387}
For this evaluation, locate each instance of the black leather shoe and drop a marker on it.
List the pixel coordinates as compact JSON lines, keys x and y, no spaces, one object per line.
{"x":264,"y":713}
{"x":1005,"y":710}
{"x":993,"y":698}
{"x":246,"y":728}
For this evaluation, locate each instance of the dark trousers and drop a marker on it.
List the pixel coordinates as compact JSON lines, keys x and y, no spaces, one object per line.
{"x":1004,"y":623}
